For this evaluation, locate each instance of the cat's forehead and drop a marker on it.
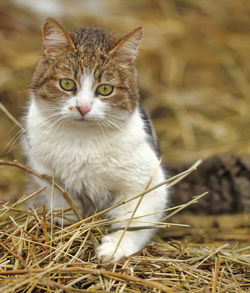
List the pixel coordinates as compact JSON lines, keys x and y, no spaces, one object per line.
{"x":92,"y":41}
{"x":92,"y":46}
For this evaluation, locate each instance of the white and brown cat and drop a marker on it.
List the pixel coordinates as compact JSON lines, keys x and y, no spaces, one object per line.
{"x":86,"y":128}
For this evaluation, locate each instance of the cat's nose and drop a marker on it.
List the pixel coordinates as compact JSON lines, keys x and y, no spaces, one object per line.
{"x":83,"y":108}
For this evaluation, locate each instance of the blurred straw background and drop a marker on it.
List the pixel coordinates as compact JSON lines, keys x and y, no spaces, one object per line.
{"x":193,"y":67}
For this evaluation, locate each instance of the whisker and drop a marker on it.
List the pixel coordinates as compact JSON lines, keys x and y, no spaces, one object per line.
{"x":100,"y":124}
{"x":113,"y":124}
{"x":11,"y":144}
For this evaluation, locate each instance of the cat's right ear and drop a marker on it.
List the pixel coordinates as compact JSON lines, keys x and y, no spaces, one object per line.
{"x":55,"y":37}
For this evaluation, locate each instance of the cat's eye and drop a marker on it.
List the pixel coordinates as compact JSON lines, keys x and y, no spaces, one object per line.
{"x":68,"y":84}
{"x":104,"y":89}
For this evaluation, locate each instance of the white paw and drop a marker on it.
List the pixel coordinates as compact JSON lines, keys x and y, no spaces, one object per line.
{"x":107,"y":251}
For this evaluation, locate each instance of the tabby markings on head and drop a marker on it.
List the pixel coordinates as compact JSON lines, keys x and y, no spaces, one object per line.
{"x":87,"y":73}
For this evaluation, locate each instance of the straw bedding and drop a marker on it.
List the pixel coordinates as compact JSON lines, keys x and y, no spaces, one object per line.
{"x":36,"y":255}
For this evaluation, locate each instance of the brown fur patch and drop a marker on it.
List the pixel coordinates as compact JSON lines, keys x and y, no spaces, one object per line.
{"x":87,"y":49}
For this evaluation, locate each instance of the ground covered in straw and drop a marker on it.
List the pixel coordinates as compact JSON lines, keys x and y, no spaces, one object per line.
{"x":36,"y":255}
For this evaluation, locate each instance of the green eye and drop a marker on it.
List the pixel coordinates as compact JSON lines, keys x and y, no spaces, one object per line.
{"x":104,"y":89}
{"x":67,"y":84}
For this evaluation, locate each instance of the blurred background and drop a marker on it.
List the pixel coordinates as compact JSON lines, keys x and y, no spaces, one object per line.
{"x":194,"y":68}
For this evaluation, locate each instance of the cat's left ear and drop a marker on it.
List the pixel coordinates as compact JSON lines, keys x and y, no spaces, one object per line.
{"x":128,"y":46}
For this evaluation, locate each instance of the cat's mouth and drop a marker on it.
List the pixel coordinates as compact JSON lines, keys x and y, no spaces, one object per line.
{"x":82,"y":119}
{"x":85,"y":120}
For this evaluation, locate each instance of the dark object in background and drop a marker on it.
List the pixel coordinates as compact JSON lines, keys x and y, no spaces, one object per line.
{"x":227,"y":178}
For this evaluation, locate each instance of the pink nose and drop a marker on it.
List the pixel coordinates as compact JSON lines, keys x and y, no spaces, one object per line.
{"x":84,"y":109}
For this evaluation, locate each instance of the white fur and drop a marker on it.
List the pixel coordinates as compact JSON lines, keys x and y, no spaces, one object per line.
{"x":110,"y":165}
{"x":85,"y":96}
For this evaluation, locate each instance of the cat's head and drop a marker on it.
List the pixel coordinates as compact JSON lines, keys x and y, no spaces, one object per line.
{"x":87,"y":74}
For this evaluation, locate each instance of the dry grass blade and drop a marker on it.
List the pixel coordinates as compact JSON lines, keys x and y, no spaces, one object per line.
{"x":196,"y":199}
{"x":45,"y":225}
{"x":10,"y":116}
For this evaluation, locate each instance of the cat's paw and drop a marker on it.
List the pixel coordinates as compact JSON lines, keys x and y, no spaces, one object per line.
{"x":106,"y":251}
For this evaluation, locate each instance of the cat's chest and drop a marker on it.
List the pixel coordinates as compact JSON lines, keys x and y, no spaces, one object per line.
{"x":76,"y":158}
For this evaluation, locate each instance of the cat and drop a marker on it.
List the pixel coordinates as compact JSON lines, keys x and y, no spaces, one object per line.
{"x":86,"y":128}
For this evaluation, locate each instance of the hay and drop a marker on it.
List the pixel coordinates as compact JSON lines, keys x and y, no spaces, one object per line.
{"x":36,"y":255}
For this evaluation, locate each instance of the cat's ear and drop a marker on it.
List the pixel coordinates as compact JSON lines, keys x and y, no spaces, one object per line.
{"x":128,"y":46}
{"x":55,"y":37}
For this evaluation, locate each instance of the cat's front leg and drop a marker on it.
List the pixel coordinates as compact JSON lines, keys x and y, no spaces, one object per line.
{"x":110,"y":250}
